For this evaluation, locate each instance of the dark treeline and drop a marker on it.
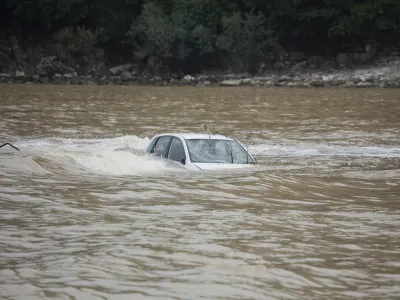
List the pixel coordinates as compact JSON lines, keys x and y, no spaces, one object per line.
{"x":193,"y":35}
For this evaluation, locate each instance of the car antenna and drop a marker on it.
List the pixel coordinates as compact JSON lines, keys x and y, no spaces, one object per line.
{"x":206,"y":129}
{"x":11,"y":145}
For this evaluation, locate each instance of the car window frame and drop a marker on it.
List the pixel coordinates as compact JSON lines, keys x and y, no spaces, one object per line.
{"x":166,"y":149}
{"x":249,"y":158}
{"x":183,"y":147}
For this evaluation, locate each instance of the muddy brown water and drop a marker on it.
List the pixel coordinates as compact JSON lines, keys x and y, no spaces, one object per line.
{"x":84,"y":216}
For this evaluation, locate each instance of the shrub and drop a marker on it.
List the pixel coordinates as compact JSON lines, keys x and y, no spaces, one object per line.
{"x":78,"y":39}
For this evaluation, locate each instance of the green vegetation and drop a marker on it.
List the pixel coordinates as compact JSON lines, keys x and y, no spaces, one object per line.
{"x":191,"y":35}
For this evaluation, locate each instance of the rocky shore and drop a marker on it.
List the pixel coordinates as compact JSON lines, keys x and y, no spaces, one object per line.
{"x":365,"y":78}
{"x":55,"y":65}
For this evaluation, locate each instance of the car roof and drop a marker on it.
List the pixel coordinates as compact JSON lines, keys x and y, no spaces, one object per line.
{"x":191,"y":135}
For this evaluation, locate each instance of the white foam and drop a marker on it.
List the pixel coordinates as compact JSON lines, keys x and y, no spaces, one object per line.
{"x":314,"y":149}
{"x":130,"y":141}
{"x":117,"y":162}
{"x":124,"y":155}
{"x":114,"y":156}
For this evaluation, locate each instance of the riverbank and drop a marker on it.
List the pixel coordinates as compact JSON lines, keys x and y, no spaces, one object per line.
{"x":386,"y":76}
{"x":360,"y":70}
{"x":360,"y":79}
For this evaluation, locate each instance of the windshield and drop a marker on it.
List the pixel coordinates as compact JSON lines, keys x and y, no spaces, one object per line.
{"x":217,"y":151}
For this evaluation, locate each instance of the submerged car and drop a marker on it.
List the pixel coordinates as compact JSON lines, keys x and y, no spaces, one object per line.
{"x":197,"y":151}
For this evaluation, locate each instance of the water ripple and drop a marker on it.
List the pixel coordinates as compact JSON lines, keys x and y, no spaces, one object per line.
{"x":84,"y":216}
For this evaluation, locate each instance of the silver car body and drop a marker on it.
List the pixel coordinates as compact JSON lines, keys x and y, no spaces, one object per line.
{"x":198,"y":151}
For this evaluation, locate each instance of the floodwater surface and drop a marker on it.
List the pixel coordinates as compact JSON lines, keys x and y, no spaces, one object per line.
{"x":83,"y":215}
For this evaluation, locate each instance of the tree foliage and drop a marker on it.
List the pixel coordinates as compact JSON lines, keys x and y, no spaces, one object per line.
{"x":179,"y":32}
{"x":245,"y":40}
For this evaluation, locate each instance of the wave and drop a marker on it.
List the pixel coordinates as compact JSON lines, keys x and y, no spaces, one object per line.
{"x":301,"y":149}
{"x":124,"y":156}
{"x":114,"y":156}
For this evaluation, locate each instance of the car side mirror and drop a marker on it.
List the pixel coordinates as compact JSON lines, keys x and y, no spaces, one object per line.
{"x":183,"y":161}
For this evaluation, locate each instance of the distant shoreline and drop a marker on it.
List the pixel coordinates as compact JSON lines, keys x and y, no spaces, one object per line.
{"x":367,"y":80}
{"x":384,"y":75}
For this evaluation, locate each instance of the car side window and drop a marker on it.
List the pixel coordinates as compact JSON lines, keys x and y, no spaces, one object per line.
{"x":150,"y":148}
{"x":176,"y":151}
{"x":240,"y":155}
{"x":161,"y":147}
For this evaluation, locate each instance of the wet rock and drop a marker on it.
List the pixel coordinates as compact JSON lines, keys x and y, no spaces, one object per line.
{"x":299,"y":67}
{"x":284,"y":78}
{"x":297,"y":79}
{"x":126,"y":74}
{"x":349,"y":84}
{"x":268,"y":83}
{"x":247,"y":81}
{"x":362,"y":84}
{"x":317,"y":83}
{"x":49,"y":66}
{"x":45,"y":66}
{"x":71,"y":75}
{"x":333,"y":82}
{"x":188,"y":78}
{"x":293,"y":84}
{"x":97,"y":69}
{"x":20,"y":73}
{"x":116,"y":71}
{"x":233,"y":82}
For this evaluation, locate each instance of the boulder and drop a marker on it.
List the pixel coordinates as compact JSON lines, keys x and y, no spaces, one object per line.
{"x":117,"y":71}
{"x":126,"y":74}
{"x":363,"y":85}
{"x":19,"y":73}
{"x":300,"y":67}
{"x":45,"y":66}
{"x":233,"y":82}
{"x":49,"y":66}
{"x":278,"y":66}
{"x":365,"y":58}
{"x":296,"y":56}
{"x":317,"y":83}
{"x":188,"y":78}
{"x":343,"y":59}
{"x":284,"y":78}
{"x":71,"y":75}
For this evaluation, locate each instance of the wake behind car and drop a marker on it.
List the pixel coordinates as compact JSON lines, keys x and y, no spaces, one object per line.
{"x":198,"y":151}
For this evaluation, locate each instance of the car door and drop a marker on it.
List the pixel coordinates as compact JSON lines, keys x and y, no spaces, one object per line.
{"x":161,"y":147}
{"x":177,"y":151}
